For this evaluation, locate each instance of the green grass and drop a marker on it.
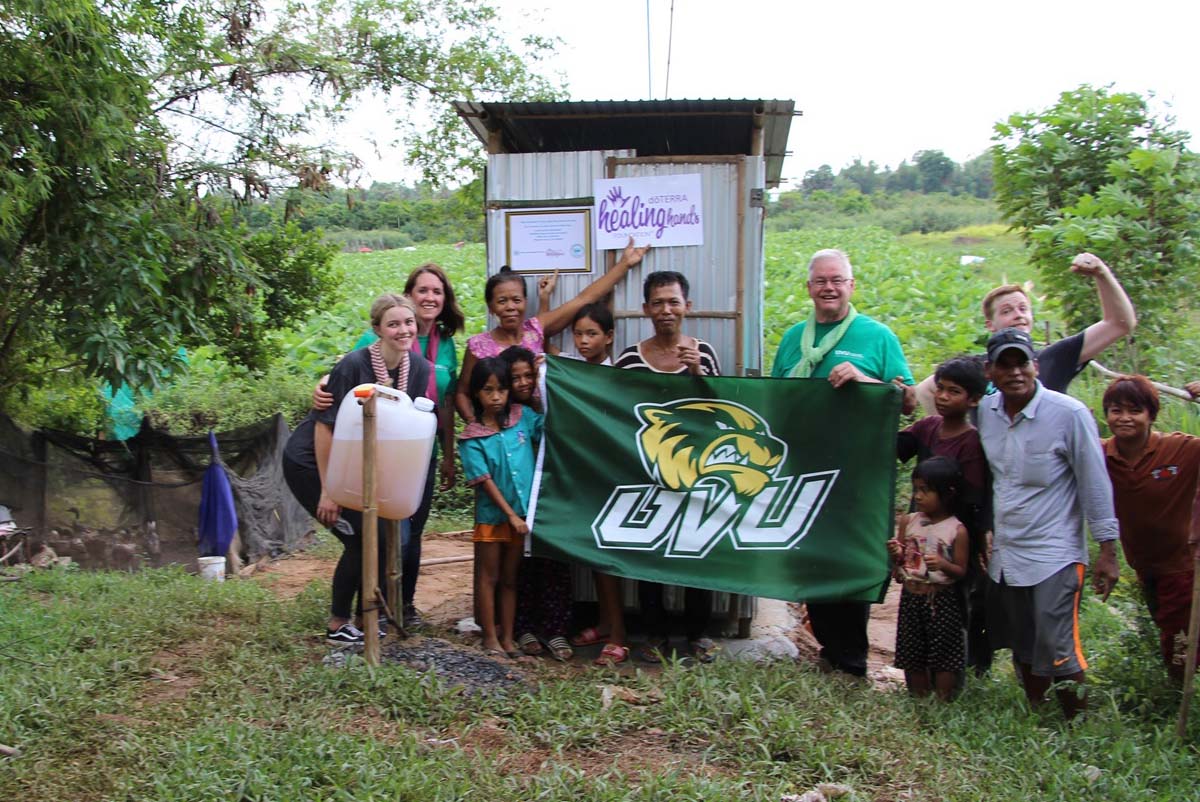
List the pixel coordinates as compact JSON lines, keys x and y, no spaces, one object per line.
{"x":94,"y":667}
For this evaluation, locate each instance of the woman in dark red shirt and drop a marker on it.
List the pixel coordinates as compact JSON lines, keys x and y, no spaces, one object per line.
{"x":1154,"y":477}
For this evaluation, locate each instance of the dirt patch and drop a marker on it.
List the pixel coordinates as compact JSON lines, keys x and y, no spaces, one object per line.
{"x":881,"y":629}
{"x":443,"y":593}
{"x":288,"y":577}
{"x":969,"y":240}
{"x":444,"y":598}
{"x":648,"y":751}
{"x":172,"y":671}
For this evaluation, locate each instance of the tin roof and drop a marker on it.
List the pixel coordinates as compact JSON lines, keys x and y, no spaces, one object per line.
{"x":651,"y":127}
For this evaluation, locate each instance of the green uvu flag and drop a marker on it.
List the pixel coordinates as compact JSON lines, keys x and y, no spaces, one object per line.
{"x":767,"y":487}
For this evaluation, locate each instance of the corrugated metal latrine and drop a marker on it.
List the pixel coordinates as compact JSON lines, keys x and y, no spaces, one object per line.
{"x":725,"y":273}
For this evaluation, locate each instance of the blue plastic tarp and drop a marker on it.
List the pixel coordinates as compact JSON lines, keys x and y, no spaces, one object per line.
{"x":218,"y":516}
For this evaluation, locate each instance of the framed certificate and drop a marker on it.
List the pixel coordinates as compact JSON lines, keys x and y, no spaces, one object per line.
{"x":545,"y":240}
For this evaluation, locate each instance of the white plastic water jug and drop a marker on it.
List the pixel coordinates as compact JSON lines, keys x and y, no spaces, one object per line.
{"x":404,"y":433}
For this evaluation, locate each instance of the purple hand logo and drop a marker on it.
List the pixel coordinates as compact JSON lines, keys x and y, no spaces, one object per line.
{"x":617,"y":197}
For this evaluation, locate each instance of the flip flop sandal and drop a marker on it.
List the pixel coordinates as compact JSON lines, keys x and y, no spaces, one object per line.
{"x":652,"y":652}
{"x":498,"y":654}
{"x":560,"y":650}
{"x":530,"y":645}
{"x":703,"y":650}
{"x":589,"y":637}
{"x":514,"y":654}
{"x":612,"y":654}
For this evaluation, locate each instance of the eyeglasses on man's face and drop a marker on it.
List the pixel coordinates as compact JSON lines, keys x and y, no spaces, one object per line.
{"x":829,"y":282}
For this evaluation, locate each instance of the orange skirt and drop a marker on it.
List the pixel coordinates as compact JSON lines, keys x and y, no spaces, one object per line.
{"x":496,"y":533}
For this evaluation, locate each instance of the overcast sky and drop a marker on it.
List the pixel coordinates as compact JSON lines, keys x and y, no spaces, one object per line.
{"x":876,"y":80}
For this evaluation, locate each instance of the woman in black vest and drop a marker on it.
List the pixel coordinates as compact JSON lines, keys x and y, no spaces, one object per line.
{"x":389,"y":361}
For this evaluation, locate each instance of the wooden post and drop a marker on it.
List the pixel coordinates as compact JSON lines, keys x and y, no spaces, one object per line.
{"x":1189,"y":664}
{"x":369,"y":591}
{"x":395,"y":568}
{"x":739,"y":362}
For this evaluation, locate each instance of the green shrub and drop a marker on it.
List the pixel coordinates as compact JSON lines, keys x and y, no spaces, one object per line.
{"x":351,"y":240}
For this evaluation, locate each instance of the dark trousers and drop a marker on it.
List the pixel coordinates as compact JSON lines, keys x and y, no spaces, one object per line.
{"x":347,"y":576}
{"x":543,"y":598}
{"x":410,"y":538}
{"x":697,"y":609}
{"x":305,"y":484}
{"x":979,"y":645}
{"x":841,"y":629}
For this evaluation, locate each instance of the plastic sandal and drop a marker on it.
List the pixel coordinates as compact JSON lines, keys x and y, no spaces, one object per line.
{"x":589,"y":637}
{"x":560,"y":650}
{"x":703,"y":650}
{"x":530,"y":645}
{"x":612,"y":654}
{"x":652,"y":652}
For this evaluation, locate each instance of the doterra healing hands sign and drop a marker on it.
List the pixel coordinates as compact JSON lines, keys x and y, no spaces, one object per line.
{"x":659,"y":210}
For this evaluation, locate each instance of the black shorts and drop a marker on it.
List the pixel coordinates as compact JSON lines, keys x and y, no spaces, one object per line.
{"x":931,"y":631}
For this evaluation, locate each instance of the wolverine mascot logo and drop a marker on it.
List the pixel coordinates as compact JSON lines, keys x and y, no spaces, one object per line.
{"x":717,"y":472}
{"x":694,"y":441}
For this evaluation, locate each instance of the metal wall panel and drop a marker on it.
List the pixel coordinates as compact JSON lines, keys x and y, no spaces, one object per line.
{"x":549,"y":177}
{"x":710,"y":268}
{"x":755,"y":265}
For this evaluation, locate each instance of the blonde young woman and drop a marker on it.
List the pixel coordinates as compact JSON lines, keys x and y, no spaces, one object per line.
{"x":389,"y":361}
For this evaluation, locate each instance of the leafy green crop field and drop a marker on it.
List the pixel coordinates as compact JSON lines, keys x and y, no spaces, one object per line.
{"x":913,"y":283}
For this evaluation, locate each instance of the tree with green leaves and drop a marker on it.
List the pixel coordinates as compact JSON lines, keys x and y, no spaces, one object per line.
{"x":935,"y":169}
{"x":129,"y":132}
{"x":1097,"y":172}
{"x":820,"y":179}
{"x":866,"y":177}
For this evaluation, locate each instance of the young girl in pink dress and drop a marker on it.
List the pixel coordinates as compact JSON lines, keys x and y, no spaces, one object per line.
{"x":929,"y":555}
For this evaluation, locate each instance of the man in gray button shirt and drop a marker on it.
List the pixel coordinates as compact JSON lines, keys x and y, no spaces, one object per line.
{"x":1048,"y":478}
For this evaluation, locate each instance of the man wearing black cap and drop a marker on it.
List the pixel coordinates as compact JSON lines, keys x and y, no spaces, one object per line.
{"x":1048,"y":477}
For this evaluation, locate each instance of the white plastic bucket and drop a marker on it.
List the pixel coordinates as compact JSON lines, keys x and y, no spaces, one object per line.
{"x":212,"y":568}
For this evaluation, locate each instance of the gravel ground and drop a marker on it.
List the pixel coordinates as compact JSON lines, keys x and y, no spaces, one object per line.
{"x":457,"y":666}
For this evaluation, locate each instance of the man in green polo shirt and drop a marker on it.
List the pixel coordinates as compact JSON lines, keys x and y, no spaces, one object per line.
{"x":841,"y":345}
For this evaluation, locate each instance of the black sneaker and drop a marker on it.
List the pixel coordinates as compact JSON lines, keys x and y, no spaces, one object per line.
{"x":345,"y":635}
{"x":412,"y":618}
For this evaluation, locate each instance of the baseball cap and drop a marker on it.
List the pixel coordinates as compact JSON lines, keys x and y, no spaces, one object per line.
{"x":1005,"y":339}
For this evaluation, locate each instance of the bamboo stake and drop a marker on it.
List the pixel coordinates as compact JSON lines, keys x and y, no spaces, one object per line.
{"x":395,"y":567}
{"x":1162,"y":388}
{"x":459,"y":558}
{"x":12,"y":551}
{"x":369,"y":591}
{"x":1189,"y":669}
